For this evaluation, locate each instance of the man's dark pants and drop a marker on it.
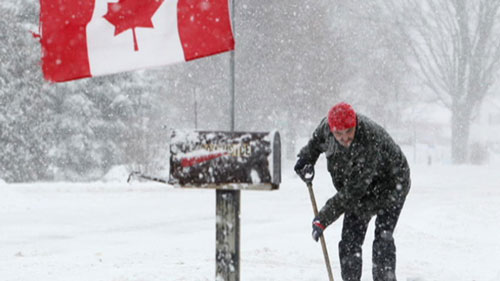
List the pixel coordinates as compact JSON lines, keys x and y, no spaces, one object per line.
{"x":384,"y":250}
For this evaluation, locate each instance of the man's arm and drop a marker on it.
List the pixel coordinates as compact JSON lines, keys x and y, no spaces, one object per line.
{"x":316,"y":145}
{"x":359,"y":176}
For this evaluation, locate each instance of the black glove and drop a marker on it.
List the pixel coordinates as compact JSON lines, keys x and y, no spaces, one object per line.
{"x":317,"y":229}
{"x":303,"y":167}
{"x":301,"y":162}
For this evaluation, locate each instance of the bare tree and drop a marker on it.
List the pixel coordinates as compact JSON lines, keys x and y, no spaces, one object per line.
{"x":456,"y":51}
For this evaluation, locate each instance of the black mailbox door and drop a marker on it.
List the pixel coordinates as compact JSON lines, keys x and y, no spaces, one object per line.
{"x":207,"y":157}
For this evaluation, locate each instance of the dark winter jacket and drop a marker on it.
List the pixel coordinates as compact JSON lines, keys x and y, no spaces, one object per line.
{"x":369,"y":175}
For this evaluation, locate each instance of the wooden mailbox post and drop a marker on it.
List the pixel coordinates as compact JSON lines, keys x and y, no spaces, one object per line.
{"x":226,"y":161}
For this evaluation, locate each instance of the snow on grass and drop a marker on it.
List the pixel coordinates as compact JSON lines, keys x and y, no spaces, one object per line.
{"x":113,"y":231}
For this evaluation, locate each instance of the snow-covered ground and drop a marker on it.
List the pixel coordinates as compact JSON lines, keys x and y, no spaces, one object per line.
{"x":448,"y":231}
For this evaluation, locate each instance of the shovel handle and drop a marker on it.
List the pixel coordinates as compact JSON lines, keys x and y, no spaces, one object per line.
{"x":322,"y":238}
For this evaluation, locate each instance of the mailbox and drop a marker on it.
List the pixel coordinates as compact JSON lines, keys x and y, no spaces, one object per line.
{"x":225,"y":160}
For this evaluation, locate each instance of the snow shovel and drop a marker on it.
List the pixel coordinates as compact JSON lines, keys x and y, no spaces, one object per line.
{"x":307,"y":178}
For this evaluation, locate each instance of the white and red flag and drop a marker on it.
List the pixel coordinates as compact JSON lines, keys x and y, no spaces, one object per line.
{"x":85,"y":38}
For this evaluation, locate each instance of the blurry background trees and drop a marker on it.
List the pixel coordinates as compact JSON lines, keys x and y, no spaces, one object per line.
{"x":294,"y":60}
{"x":455,"y":50}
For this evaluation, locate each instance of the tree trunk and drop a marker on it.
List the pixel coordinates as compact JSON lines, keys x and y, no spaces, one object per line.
{"x":460,"y":130}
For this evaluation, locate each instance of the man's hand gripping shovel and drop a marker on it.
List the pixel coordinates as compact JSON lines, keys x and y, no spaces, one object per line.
{"x":307,"y":176}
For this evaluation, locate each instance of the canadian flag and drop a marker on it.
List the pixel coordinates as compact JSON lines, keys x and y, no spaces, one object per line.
{"x":85,"y":38}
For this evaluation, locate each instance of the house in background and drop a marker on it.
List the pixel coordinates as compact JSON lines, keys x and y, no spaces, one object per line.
{"x":485,"y":128}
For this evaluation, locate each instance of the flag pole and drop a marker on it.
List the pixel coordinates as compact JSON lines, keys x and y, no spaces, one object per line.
{"x":231,"y":71}
{"x":227,"y":244}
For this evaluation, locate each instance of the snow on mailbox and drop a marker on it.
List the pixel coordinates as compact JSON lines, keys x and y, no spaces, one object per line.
{"x":225,"y":160}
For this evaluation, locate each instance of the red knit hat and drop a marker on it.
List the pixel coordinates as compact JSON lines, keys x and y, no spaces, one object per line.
{"x":341,"y":116}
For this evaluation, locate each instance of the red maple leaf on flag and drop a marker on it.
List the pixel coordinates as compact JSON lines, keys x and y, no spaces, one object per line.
{"x":129,"y":14}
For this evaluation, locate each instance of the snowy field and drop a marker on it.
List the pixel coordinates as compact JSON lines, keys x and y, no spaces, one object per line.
{"x":448,"y":231}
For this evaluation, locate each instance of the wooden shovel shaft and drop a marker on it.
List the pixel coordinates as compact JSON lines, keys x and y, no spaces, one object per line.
{"x":322,"y":238}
